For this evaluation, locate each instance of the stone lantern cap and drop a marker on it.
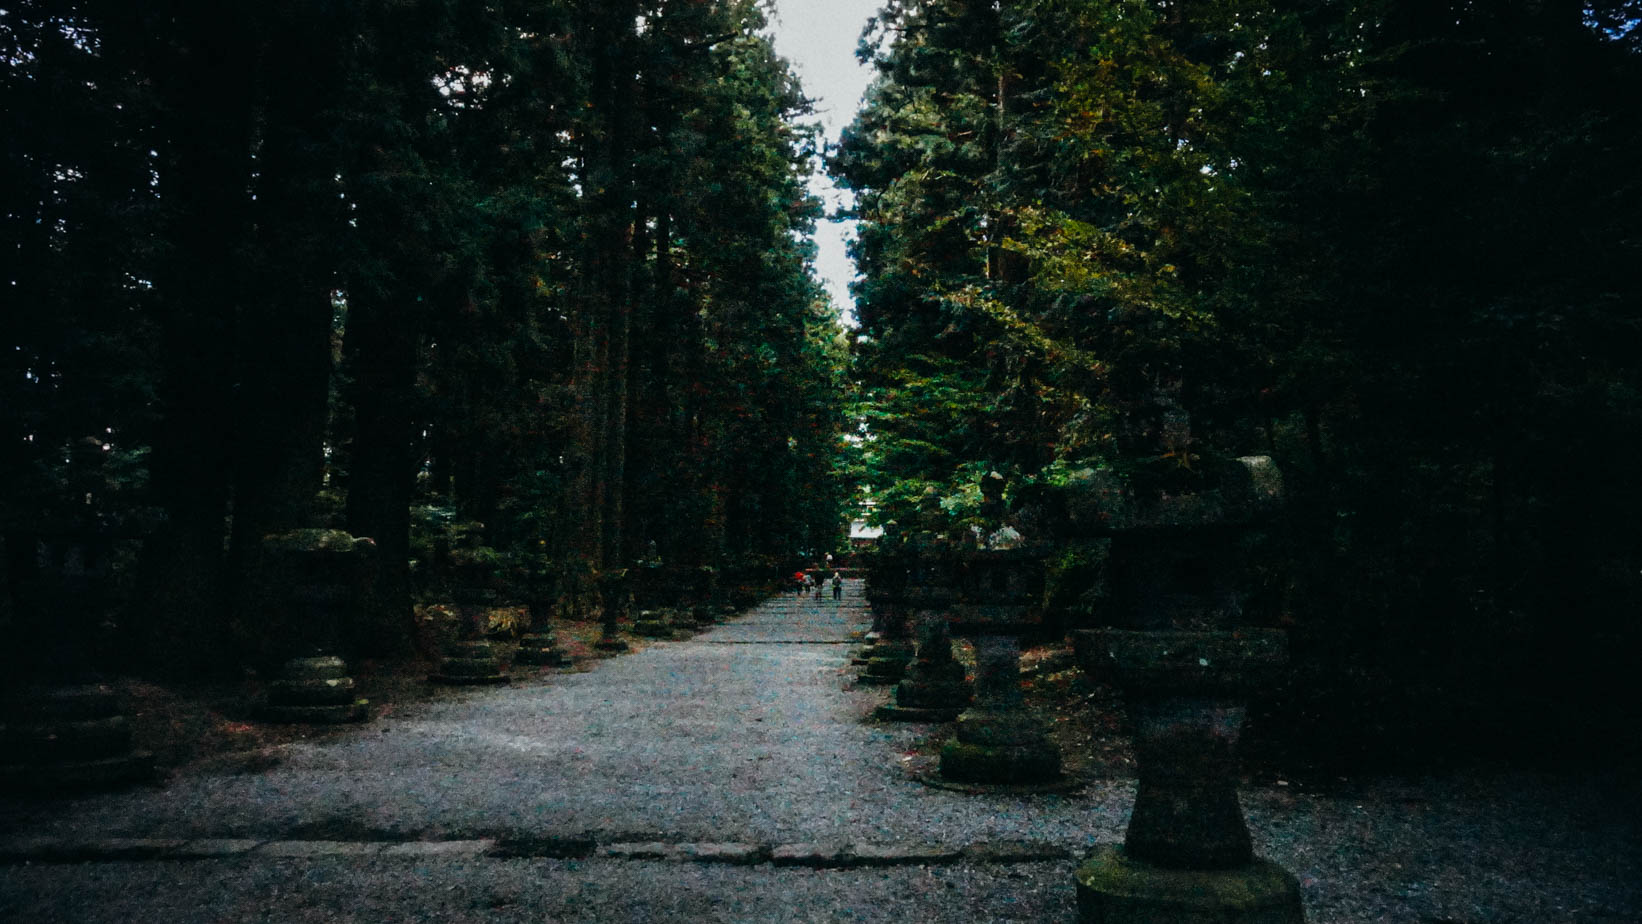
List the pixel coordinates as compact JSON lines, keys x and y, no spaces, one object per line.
{"x":999,"y":588}
{"x":1101,"y":502}
{"x":1184,"y":662}
{"x":332,"y":541}
{"x":315,"y":565}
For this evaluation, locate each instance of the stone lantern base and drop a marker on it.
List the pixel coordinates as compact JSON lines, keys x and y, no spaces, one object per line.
{"x":70,"y":737}
{"x":998,"y":741}
{"x":934,"y":688}
{"x":1114,"y":888}
{"x":653,"y":624}
{"x":888,"y":663}
{"x":540,"y":649}
{"x":469,"y":664}
{"x":1001,"y":748}
{"x":315,"y":690}
{"x":937,"y":695}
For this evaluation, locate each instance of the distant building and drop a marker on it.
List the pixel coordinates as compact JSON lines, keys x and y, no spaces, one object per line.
{"x":863,"y":536}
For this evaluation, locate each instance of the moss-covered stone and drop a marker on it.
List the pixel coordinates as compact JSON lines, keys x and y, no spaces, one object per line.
{"x":314,"y":691}
{"x":67,"y":737}
{"x":1114,"y":888}
{"x":1016,"y":765}
{"x":325,"y":692}
{"x":540,"y":649}
{"x":471,"y":662}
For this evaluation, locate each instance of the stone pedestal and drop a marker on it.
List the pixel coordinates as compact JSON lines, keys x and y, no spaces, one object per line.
{"x":539,"y":646}
{"x":1187,"y":854}
{"x":653,"y":624}
{"x":1114,"y":888}
{"x":934,"y":688}
{"x":889,"y":656}
{"x":879,"y":605}
{"x":616,"y":600}
{"x":308,"y":590}
{"x":998,"y":742}
{"x":918,"y":584}
{"x":69,"y":737}
{"x":469,"y":663}
{"x":315,"y":690}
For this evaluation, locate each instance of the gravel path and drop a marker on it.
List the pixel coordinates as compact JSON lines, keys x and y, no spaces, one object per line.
{"x":747,"y":735}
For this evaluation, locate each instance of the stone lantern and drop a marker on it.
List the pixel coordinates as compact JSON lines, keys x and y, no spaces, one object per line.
{"x":539,"y":646}
{"x":888,"y":589}
{"x":883,"y":579}
{"x":311,"y":583}
{"x":706,"y":600}
{"x":933,"y":687}
{"x":616,"y":599}
{"x":998,"y":742}
{"x":1185,"y":669}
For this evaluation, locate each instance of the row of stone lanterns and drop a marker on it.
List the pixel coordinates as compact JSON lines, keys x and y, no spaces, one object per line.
{"x":986,"y":594}
{"x":1176,"y":651}
{"x":75,"y":735}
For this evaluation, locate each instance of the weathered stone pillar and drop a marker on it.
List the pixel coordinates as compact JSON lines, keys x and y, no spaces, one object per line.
{"x":311,"y":582}
{"x":998,"y":742}
{"x":1186,"y":856}
{"x":934,"y":688}
{"x":616,"y":599}
{"x":539,"y":646}
{"x":889,"y":588}
{"x":879,"y":603}
{"x":471,"y":659}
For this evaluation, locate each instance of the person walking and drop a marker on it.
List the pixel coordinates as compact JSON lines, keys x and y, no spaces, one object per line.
{"x":837,"y":586}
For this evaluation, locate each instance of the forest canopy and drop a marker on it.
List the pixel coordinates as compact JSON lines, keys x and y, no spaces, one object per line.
{"x":1390,"y":243}
{"x":527,"y":279}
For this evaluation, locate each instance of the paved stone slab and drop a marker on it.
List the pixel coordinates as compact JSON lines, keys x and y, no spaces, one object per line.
{"x":743,"y":854}
{"x":650,"y":850}
{"x":475,"y":848}
{"x":1015,"y":852}
{"x":558,"y":847}
{"x":900,"y":854}
{"x":319,"y":848}
{"x":215,"y":847}
{"x":813,"y":855}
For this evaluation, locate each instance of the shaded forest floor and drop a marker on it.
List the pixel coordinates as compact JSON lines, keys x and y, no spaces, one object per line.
{"x":215,"y":722}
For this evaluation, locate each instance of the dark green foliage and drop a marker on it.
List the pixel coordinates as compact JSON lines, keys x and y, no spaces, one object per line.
{"x":1388,"y":242}
{"x":536,"y":264}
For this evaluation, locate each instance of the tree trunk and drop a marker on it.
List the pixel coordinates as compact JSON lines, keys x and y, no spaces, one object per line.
{"x":285,"y":346}
{"x":205,"y":180}
{"x":382,"y":352}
